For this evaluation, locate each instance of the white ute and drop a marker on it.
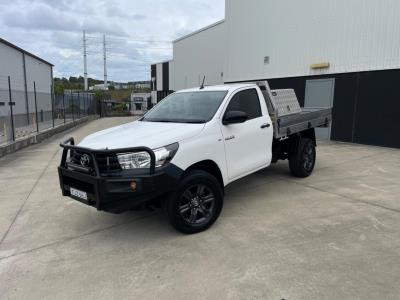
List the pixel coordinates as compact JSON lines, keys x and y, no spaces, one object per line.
{"x":188,"y":148}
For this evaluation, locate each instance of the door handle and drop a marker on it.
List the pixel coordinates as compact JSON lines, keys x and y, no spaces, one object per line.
{"x":266,"y":125}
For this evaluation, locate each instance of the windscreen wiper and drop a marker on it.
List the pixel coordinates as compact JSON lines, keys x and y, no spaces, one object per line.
{"x":175,"y":121}
{"x":159,"y":121}
{"x":195,"y":121}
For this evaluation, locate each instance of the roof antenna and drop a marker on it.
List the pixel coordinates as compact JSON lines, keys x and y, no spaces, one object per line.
{"x":202,"y":85}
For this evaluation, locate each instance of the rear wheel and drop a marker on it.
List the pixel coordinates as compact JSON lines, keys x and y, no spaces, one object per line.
{"x":302,"y":162}
{"x":197,"y":203}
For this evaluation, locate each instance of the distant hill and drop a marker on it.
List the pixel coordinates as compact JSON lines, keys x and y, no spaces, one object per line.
{"x":72,"y":83}
{"x":121,"y":89}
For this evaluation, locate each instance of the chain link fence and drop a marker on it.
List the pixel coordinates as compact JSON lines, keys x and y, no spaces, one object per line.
{"x":32,"y":108}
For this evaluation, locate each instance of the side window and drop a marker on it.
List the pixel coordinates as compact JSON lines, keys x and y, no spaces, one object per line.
{"x":248,"y":102}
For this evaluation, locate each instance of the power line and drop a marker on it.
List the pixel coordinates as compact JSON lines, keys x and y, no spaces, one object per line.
{"x":116,"y":47}
{"x":118,"y":39}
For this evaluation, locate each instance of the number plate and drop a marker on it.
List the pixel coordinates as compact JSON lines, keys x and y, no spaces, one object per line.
{"x":79,"y":194}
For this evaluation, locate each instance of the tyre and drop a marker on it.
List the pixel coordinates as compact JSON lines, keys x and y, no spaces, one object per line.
{"x":302,"y":162}
{"x":196,"y":204}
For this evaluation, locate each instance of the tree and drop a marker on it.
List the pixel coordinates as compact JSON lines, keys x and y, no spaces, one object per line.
{"x":58,"y":88}
{"x":73,"y":79}
{"x":98,"y":96}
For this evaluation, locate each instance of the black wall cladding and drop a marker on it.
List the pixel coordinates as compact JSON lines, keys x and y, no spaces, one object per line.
{"x":165,"y":70}
{"x":154,"y":75}
{"x":377,"y":118}
{"x":366,"y":106}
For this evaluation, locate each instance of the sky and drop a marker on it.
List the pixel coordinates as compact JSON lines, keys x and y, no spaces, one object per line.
{"x":138,"y":33}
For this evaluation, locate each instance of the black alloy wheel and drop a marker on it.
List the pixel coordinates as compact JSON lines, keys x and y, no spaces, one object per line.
{"x":196,"y":204}
{"x":302,"y":162}
{"x":309,"y":158}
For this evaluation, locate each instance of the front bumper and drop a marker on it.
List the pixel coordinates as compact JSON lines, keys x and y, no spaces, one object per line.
{"x":113,"y":192}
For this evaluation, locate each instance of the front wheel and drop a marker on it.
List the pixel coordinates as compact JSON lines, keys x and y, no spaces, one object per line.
{"x":302,"y":162}
{"x":196,"y":204}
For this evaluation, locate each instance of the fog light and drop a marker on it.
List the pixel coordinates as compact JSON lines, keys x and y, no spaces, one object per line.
{"x":133,"y":185}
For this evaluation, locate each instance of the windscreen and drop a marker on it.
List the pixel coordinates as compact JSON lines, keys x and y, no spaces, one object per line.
{"x":186,"y":107}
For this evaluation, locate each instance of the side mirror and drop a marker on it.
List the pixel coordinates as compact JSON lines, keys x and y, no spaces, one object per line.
{"x":234,"y":117}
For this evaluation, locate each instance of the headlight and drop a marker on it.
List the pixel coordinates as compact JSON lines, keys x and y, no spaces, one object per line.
{"x":138,"y":160}
{"x":165,"y":154}
{"x":141,"y":160}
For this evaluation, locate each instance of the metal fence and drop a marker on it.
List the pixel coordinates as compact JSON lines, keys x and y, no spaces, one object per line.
{"x":123,"y":108}
{"x":32,"y":108}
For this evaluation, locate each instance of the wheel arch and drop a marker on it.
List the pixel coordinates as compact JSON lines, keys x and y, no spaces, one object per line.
{"x":309,"y":133}
{"x":294,"y":140}
{"x":210,"y":167}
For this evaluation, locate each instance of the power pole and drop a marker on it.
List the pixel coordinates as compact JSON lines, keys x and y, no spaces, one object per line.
{"x":85,"y":61}
{"x":105,"y":62}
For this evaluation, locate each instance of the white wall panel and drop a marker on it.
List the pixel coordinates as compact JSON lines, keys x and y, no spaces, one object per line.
{"x":171,"y":75}
{"x":352,"y":35}
{"x":40,"y":73}
{"x":11,"y":64}
{"x":159,"y":72}
{"x":198,"y":55}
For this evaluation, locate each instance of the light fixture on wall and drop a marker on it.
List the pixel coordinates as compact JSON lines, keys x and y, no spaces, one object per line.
{"x":321,"y":65}
{"x":266,"y":60}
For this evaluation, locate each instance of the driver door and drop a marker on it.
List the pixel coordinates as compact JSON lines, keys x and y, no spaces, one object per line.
{"x":247,"y":145}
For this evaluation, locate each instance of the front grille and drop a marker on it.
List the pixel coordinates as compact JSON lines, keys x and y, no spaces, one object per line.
{"x":106,"y":163}
{"x":78,"y":184}
{"x":76,"y":159}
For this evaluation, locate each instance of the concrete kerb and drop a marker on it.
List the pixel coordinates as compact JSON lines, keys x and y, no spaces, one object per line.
{"x":41,"y":136}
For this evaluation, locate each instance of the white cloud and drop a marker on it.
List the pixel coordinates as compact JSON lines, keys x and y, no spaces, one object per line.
{"x":52,"y":29}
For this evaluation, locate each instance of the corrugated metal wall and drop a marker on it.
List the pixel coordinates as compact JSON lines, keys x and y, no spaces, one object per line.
{"x":11,"y":64}
{"x":202,"y":54}
{"x":160,"y":78}
{"x":352,"y":35}
{"x":41,"y":74}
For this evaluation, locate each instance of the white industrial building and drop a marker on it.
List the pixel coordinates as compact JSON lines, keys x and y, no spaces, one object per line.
{"x":140,"y":102}
{"x":160,"y":85}
{"x":24,"y":71}
{"x":344,"y":54}
{"x":199,"y":54}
